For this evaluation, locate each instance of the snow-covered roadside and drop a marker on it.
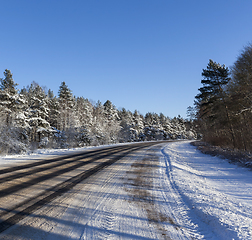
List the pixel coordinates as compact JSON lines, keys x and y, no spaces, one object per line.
{"x":168,"y":191}
{"x":118,"y":203}
{"x":214,"y":197}
{"x":9,"y":160}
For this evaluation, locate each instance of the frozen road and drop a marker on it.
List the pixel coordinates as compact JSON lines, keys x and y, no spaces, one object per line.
{"x":162,"y":191}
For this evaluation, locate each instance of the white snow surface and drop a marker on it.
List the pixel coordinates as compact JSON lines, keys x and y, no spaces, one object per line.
{"x":168,"y":191}
{"x":38,"y":154}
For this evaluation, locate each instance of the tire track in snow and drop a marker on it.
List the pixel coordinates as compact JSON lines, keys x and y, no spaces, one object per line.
{"x":53,"y":160}
{"x":38,"y":167}
{"x":99,"y":225}
{"x":25,"y":208}
{"x":141,"y":189}
{"x":201,"y":223}
{"x":178,"y":207}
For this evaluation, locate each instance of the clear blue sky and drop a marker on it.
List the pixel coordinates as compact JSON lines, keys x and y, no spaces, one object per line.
{"x":139,"y":54}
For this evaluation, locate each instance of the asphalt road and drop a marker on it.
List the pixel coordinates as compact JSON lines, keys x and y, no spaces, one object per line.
{"x":27,"y":187}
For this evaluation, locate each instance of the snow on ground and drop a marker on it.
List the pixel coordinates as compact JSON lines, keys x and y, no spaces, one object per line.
{"x":38,"y":154}
{"x":169,"y":191}
{"x":8,"y":160}
{"x":214,"y":197}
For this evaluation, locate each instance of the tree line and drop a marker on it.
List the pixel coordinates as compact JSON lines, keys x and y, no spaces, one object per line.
{"x":223,"y":107}
{"x":34,"y":117}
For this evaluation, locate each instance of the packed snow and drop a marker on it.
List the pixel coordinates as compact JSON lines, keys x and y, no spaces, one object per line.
{"x":214,"y":196}
{"x":168,"y":191}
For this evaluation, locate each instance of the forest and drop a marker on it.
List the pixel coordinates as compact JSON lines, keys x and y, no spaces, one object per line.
{"x":34,"y":117}
{"x":223,"y":107}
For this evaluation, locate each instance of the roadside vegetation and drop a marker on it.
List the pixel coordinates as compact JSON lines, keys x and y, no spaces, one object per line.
{"x":222,"y":112}
{"x":34,"y":117}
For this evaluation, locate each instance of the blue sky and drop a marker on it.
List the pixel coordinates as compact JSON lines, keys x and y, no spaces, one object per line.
{"x":139,"y":54}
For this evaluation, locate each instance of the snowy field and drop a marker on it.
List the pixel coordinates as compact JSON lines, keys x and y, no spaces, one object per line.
{"x":168,"y":191}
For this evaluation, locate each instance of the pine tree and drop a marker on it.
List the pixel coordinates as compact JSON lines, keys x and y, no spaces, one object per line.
{"x":112,"y":124}
{"x":240,"y":98}
{"x":67,"y":118}
{"x":165,"y":125}
{"x":7,"y":84}
{"x":84,"y":110}
{"x":110,"y":111}
{"x":127,"y":132}
{"x":66,"y":104}
{"x":13,"y":136}
{"x":211,"y":102}
{"x":53,"y":106}
{"x":38,"y":115}
{"x":99,"y":125}
{"x":153,"y":129}
{"x":138,"y":126}
{"x":10,"y":101}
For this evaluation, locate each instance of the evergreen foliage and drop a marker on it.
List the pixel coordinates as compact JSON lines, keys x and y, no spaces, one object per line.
{"x":212,"y":101}
{"x":13,"y":125}
{"x":224,"y":104}
{"x":7,"y":84}
{"x":34,"y":118}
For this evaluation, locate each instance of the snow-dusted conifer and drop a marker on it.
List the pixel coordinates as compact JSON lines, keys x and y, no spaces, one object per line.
{"x":10,"y":101}
{"x":84,"y":110}
{"x":98,"y":126}
{"x":38,"y":115}
{"x":153,"y":130}
{"x":138,"y":126}
{"x":67,"y":119}
{"x":53,"y":106}
{"x":112,"y":126}
{"x":66,"y":104}
{"x":110,"y":111}
{"x":127,"y":132}
{"x":12,"y":127}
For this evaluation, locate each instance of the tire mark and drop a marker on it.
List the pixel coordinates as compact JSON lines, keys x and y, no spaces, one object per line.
{"x":18,"y":187}
{"x":56,"y":159}
{"x":25,"y":208}
{"x":52,"y":164}
{"x":141,"y":184}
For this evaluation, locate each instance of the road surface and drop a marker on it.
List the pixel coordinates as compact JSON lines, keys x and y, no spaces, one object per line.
{"x":162,"y":190}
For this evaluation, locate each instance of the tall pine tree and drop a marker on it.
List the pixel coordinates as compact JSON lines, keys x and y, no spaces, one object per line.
{"x":211,"y":102}
{"x":10,"y":101}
